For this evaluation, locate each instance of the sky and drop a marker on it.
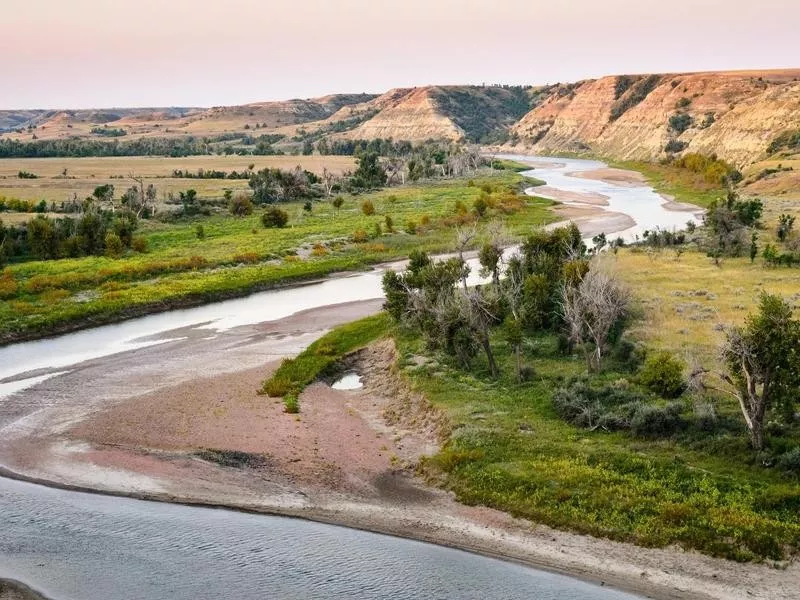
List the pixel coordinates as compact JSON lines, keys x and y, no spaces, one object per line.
{"x":106,"y":53}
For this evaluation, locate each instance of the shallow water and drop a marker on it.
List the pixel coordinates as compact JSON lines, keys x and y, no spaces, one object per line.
{"x":350,"y":381}
{"x":74,"y":546}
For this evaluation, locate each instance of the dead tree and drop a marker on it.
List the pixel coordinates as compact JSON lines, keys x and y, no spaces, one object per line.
{"x":591,"y":308}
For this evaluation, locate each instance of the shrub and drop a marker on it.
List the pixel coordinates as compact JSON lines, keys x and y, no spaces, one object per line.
{"x":388,"y":224}
{"x":319,"y":250}
{"x":139,"y":244}
{"x":360,"y":236}
{"x":411,"y":227}
{"x":8,"y":285}
{"x":480,"y":206}
{"x":246,"y":258}
{"x":609,"y":407}
{"x":377,"y":231}
{"x":241,"y":205}
{"x":291,"y":404}
{"x":199,"y":232}
{"x":368,"y":208}
{"x":650,"y":421}
{"x":274,"y":217}
{"x":113,"y":245}
{"x":680,"y":122}
{"x":790,"y":461}
{"x":675,"y":146}
{"x":662,"y":374}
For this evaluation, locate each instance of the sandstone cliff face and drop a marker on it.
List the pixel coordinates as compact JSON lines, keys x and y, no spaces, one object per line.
{"x":407,"y":115}
{"x":735,"y":115}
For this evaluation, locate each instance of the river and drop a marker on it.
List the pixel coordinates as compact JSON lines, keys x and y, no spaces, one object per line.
{"x":72,"y":545}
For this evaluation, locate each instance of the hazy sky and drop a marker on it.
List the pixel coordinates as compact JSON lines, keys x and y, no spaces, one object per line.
{"x":102,"y":53}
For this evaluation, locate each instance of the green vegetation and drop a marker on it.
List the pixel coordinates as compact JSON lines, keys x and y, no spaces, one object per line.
{"x":295,"y":374}
{"x":202,"y":258}
{"x":631,"y":94}
{"x":788,"y":141}
{"x":685,"y":185}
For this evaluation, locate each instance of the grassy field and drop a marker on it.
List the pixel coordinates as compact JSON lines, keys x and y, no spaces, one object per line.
{"x":84,"y":174}
{"x":237,"y":255}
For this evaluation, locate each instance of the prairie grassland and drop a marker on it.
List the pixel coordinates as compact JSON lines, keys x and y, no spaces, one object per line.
{"x":685,"y":298}
{"x":237,"y":255}
{"x":84,"y":174}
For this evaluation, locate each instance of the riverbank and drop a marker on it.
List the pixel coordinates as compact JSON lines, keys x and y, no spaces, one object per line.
{"x":14,"y":590}
{"x":208,"y":439}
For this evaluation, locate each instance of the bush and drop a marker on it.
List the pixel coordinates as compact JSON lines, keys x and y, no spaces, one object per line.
{"x":291,"y":404}
{"x":200,"y":232}
{"x":114,"y":246}
{"x":480,"y":206}
{"x":368,"y":208}
{"x":388,"y":224}
{"x":360,"y":236}
{"x":650,"y":421}
{"x":241,"y":205}
{"x":275,"y":217}
{"x":139,"y":244}
{"x":411,"y":227}
{"x":790,"y":461}
{"x":662,"y":374}
{"x":609,"y":407}
{"x":680,"y":122}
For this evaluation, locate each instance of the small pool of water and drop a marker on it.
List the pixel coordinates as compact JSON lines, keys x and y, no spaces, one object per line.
{"x":350,"y":381}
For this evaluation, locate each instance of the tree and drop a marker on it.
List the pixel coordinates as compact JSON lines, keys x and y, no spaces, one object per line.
{"x":763,"y":364}
{"x":274,"y":217}
{"x":337,"y":204}
{"x":753,"y":246}
{"x":592,"y":309}
{"x":785,"y":226}
{"x":369,"y":174}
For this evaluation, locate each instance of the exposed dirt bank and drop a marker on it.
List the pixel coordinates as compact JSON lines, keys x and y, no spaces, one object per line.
{"x":566,"y":196}
{"x":347,"y":458}
{"x":621,"y":177}
{"x":14,"y":590}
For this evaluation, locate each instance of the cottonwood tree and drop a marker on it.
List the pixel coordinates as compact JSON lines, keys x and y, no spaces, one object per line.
{"x":762,"y":362}
{"x":592,"y":308}
{"x":329,"y":180}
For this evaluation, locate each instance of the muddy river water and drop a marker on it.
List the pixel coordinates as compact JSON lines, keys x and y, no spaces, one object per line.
{"x":76,"y":546}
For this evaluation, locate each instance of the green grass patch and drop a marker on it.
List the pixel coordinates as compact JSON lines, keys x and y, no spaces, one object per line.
{"x":295,"y":374}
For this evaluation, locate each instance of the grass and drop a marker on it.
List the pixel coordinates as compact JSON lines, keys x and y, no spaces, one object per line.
{"x":238,"y":256}
{"x":84,"y":174}
{"x":681,"y":184}
{"x":295,"y":374}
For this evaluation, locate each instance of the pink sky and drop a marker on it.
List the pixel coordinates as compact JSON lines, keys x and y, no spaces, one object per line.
{"x":102,"y":53}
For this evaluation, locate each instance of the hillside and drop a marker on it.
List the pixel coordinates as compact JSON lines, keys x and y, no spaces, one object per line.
{"x":738,"y":115}
{"x":735,"y":115}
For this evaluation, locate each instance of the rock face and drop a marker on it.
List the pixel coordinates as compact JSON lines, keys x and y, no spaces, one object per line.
{"x":732,"y":114}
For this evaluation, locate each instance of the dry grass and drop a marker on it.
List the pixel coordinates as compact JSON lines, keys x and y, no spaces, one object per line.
{"x":84,"y":174}
{"x":686,"y":298}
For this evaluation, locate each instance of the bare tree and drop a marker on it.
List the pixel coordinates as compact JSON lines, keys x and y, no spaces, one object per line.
{"x":328,"y":181}
{"x":464,"y":237}
{"x":591,"y":308}
{"x":395,"y":168}
{"x":478,"y":309}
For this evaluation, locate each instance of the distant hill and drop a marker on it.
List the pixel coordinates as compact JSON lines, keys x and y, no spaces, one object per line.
{"x":737,"y":115}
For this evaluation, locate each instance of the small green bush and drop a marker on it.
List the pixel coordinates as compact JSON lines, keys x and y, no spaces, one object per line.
{"x":275,"y":217}
{"x":200,"y":232}
{"x":650,"y":421}
{"x":291,"y":404}
{"x":662,"y":374}
{"x":790,"y":461}
{"x":114,"y":245}
{"x":368,"y":208}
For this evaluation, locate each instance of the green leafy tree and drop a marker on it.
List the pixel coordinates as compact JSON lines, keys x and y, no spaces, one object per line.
{"x":763,"y":364}
{"x":338,"y":202}
{"x":369,"y":173}
{"x":785,"y":226}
